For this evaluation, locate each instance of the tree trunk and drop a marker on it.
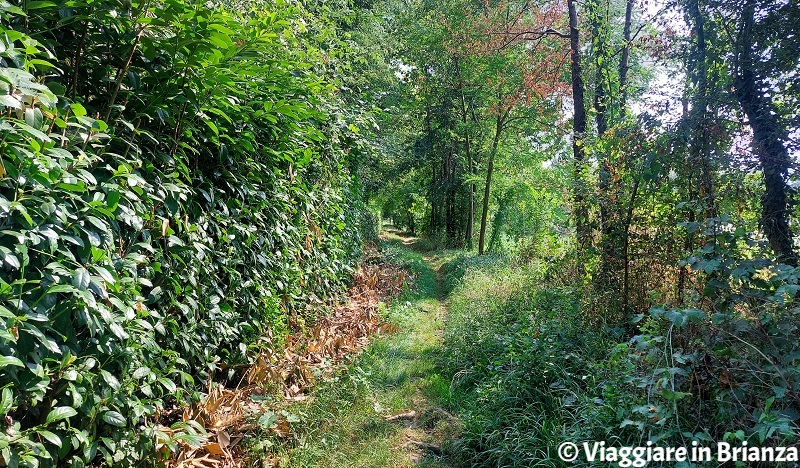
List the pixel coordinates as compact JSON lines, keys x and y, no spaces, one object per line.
{"x":450,"y":199}
{"x":433,"y":195}
{"x":768,"y":138}
{"x":623,"y":102}
{"x":608,"y":242}
{"x":699,"y":142}
{"x":468,"y":148}
{"x":489,"y":169}
{"x":578,"y":129}
{"x":623,"y":61}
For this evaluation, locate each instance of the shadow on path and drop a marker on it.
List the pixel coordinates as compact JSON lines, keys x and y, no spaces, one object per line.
{"x":386,"y":409}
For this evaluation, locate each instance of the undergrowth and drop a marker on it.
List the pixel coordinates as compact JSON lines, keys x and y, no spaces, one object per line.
{"x":530,"y":367}
{"x":520,"y":365}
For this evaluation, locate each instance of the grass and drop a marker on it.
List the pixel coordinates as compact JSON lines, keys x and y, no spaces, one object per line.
{"x":520,"y":361}
{"x":513,"y":350}
{"x":477,"y":336}
{"x":344,"y":424}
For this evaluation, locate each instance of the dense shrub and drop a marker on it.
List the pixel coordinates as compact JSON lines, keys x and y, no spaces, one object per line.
{"x":174,"y":184}
{"x":724,"y":364}
{"x":531,"y":367}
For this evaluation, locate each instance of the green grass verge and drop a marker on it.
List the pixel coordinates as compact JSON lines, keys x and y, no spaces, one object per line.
{"x":344,"y":423}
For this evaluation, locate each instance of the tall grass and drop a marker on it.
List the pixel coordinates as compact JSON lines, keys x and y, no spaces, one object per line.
{"x":526,"y":373}
{"x":531,"y":366}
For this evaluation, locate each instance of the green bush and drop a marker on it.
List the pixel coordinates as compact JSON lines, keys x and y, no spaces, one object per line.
{"x":172,"y":187}
{"x":727,"y":358}
{"x":531,"y":368}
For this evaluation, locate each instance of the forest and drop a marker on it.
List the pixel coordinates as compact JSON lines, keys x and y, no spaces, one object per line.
{"x":398,"y":232}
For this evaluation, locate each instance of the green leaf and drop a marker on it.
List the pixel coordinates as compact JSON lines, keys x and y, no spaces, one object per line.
{"x":9,"y":8}
{"x":10,"y":101}
{"x":112,"y":200}
{"x":57,"y":288}
{"x":719,"y":318}
{"x":80,"y":279}
{"x":37,"y":134}
{"x":6,"y":361}
{"x":34,"y":117}
{"x":114,"y":418}
{"x":59,"y":413}
{"x":194,"y":440}
{"x":212,"y":126}
{"x":57,"y":88}
{"x":141,"y":372}
{"x":36,"y":4}
{"x":168,"y":384}
{"x":118,"y":331}
{"x":110,"y":379}
{"x":45,"y":341}
{"x":97,"y":223}
{"x":105,"y":274}
{"x":12,"y":260}
{"x":6,"y":401}
{"x":50,"y":437}
{"x":695,"y":315}
{"x":267,"y":420}
{"x":77,"y":109}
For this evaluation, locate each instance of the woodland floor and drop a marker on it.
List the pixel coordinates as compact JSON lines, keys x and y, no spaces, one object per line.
{"x":385,"y":408}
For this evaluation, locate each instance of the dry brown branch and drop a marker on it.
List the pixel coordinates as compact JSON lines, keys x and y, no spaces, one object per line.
{"x":433,"y":448}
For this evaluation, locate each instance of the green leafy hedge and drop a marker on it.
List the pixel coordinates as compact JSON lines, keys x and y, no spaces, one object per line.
{"x":174,"y":184}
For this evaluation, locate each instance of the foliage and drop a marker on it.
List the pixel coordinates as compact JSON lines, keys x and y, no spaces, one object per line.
{"x":731,"y":356}
{"x":175,"y":183}
{"x":529,"y":371}
{"x":669,"y":316}
{"x":179,"y":181}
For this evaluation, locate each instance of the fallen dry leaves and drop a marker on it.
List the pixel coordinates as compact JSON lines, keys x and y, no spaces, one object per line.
{"x":227,"y":413}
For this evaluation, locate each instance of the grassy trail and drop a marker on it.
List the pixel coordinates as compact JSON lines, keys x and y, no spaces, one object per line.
{"x":386,"y":408}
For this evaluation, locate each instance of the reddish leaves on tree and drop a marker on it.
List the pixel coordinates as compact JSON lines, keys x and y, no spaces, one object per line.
{"x":519,"y":49}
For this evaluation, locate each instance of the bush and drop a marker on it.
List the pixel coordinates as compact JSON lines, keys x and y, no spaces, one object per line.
{"x":732,"y":352}
{"x":160,"y":214}
{"x":531,"y":367}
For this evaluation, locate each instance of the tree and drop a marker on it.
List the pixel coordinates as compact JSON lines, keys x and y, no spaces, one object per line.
{"x":769,"y":132}
{"x":512,"y":59}
{"x":578,"y":129}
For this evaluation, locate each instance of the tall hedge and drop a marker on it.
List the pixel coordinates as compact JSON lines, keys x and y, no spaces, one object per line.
{"x":174,"y":183}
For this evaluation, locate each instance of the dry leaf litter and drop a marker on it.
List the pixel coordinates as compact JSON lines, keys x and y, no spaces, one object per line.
{"x":228,"y":414}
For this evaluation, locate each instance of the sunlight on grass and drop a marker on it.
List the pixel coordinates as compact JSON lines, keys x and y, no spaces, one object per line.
{"x":344,"y":424}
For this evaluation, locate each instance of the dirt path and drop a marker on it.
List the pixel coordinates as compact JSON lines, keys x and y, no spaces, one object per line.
{"x":386,"y":409}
